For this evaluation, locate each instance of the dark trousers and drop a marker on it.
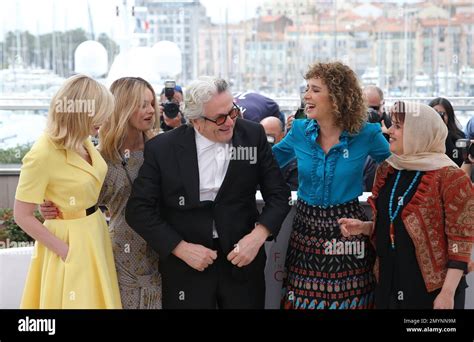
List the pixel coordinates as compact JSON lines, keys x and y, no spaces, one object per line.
{"x":214,"y":288}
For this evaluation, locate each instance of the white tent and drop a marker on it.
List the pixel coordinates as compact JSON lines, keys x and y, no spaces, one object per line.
{"x":168,"y":55}
{"x":91,"y":58}
{"x":162,"y":61}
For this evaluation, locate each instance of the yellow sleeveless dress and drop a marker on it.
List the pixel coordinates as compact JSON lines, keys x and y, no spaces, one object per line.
{"x":87,"y":279}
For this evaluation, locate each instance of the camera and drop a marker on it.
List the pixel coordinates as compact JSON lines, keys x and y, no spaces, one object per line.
{"x":170,"y":107}
{"x":467,"y":149}
{"x":373,"y":115}
{"x":300,"y":114}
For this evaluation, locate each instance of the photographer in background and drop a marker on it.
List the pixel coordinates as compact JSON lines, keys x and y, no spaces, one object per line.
{"x":375,"y":114}
{"x":469,"y":129}
{"x":256,"y":107}
{"x":469,"y":132}
{"x":299,"y":114}
{"x":171,"y":98}
{"x":275,"y":131}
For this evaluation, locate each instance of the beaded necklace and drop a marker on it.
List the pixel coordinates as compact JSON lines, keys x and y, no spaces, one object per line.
{"x":392,"y":215}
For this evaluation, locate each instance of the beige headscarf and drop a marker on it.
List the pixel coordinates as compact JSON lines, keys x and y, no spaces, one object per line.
{"x":424,"y":136}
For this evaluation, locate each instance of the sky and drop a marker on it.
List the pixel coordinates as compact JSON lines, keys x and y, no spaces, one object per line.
{"x":37,"y":15}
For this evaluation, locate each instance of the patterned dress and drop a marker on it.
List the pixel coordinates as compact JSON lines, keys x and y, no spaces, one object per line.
{"x":325,"y":270}
{"x":136,"y":263}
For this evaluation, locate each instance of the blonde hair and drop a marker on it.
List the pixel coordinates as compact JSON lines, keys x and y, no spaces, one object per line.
{"x":346,"y":95}
{"x":79,"y":105}
{"x":129,"y":97}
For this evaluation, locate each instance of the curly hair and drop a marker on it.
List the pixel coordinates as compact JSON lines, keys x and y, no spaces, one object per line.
{"x":349,"y":106}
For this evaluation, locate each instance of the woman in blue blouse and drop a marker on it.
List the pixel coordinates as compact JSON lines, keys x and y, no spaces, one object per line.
{"x":325,"y":270}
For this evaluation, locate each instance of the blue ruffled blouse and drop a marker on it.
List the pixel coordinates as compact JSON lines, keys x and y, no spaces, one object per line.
{"x":336,"y":177}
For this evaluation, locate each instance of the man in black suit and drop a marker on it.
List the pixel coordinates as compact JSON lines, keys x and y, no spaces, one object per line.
{"x":194,"y":203}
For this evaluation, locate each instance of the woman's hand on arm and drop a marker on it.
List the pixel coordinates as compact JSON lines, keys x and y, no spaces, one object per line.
{"x":351,"y":226}
{"x":48,"y":210}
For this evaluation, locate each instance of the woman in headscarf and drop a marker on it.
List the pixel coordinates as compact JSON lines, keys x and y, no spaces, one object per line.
{"x":423,"y":208}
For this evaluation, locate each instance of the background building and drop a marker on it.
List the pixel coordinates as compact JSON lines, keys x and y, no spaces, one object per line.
{"x":179,"y":22}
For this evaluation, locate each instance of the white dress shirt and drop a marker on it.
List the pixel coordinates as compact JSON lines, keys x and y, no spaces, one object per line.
{"x":213,"y":161}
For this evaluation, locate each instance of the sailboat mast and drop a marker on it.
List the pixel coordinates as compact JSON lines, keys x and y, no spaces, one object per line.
{"x":91,"y":23}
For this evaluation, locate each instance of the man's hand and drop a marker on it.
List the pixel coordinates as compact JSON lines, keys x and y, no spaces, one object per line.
{"x":196,"y":256}
{"x":247,"y":248}
{"x":289,"y":122}
{"x":49,"y":210}
{"x":384,"y":128}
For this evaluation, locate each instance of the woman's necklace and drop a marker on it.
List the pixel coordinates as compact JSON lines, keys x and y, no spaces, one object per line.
{"x":392,"y":215}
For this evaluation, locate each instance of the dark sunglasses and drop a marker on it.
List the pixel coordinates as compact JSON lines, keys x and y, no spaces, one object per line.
{"x":221,"y":118}
{"x":375,"y":107}
{"x":442,"y":114}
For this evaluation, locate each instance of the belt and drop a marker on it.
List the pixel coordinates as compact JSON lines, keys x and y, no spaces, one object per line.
{"x":71,"y":215}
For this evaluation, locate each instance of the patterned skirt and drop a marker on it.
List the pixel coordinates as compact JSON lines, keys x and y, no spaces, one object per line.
{"x":324,"y":270}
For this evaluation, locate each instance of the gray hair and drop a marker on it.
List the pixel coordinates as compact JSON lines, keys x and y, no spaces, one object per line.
{"x":198,"y":93}
{"x":377,"y":89}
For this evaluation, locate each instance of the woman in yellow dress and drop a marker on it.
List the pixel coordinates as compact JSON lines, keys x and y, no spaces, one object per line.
{"x":72,"y":266}
{"x":122,"y":141}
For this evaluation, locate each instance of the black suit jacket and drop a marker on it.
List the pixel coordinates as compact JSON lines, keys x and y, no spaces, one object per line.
{"x":164,"y":206}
